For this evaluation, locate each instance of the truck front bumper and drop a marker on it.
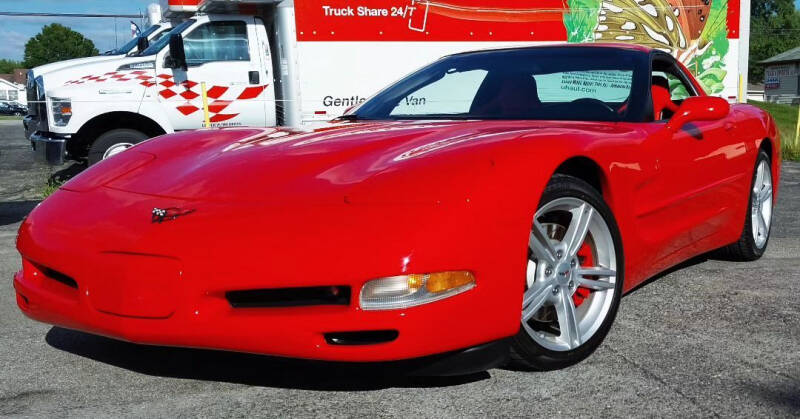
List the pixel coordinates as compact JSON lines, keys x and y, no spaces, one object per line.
{"x":48,"y":148}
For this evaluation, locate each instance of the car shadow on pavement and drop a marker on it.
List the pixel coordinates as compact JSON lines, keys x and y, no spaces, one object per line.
{"x":242,"y":368}
{"x":67,"y":173}
{"x":15,"y":211}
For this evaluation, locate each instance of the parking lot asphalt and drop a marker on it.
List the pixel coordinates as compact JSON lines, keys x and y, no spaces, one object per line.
{"x":710,"y":338}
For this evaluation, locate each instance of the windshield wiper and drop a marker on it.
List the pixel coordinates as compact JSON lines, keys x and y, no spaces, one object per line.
{"x":353,"y":117}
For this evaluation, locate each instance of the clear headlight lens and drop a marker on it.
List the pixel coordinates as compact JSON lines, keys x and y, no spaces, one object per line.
{"x":62,"y":111}
{"x":412,"y":290}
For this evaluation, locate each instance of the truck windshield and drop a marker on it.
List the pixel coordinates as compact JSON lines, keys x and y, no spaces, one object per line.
{"x":163,"y":40}
{"x":568,"y":83}
{"x":133,"y":42}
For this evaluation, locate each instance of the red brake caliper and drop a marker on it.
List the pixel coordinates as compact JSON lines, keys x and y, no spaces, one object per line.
{"x":585,"y":258}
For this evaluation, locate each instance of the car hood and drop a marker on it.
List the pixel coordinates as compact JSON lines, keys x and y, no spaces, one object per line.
{"x":85,"y":79}
{"x":47,"y":68}
{"x":350,"y":161}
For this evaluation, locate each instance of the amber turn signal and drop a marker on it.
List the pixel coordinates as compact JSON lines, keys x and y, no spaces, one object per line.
{"x":411,"y":290}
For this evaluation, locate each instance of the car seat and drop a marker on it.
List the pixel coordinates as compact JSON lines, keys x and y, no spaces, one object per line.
{"x":661,"y":98}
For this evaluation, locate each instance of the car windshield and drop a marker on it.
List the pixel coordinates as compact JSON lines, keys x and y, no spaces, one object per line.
{"x":162,"y":41}
{"x":570,"y":83}
{"x":133,"y":42}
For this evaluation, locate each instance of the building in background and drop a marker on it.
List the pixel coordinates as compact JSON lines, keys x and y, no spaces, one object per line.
{"x":781,"y":75}
{"x":12,"y":92}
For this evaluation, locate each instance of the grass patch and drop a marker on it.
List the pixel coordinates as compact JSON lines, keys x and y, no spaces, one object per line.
{"x":786,"y":119}
{"x":50,"y":188}
{"x":10,"y":118}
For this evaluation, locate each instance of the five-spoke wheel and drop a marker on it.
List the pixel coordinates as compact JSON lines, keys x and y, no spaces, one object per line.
{"x":573,"y":278}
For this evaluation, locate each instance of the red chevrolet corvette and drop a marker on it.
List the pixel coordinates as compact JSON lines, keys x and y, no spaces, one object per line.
{"x":492,"y":205}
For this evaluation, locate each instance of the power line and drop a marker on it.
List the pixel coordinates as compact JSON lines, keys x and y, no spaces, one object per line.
{"x":29,"y":14}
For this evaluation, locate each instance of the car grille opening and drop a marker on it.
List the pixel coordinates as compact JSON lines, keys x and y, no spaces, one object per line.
{"x":57,"y":276}
{"x":364,"y":337}
{"x":289,"y":297}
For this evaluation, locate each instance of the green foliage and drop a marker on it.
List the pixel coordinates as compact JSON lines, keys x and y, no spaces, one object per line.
{"x":709,"y":67}
{"x":57,"y":43}
{"x":7,"y":66}
{"x":51,"y":187}
{"x":786,"y":119}
{"x":774,"y":28}
{"x":581,"y":20}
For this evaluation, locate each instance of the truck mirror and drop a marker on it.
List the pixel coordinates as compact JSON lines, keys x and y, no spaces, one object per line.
{"x":176,"y":52}
{"x":142,"y":43}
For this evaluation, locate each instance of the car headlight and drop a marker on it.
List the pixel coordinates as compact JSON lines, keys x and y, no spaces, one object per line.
{"x":412,"y":290}
{"x":62,"y":111}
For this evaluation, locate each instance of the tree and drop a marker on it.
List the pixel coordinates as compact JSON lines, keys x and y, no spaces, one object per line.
{"x":7,"y":66}
{"x":57,"y":43}
{"x":774,"y":28}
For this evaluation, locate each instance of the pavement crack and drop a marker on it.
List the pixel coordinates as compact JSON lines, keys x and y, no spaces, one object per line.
{"x":654,"y":376}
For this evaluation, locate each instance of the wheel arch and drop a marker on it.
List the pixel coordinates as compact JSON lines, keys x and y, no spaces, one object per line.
{"x":100,"y":124}
{"x":588,"y":170}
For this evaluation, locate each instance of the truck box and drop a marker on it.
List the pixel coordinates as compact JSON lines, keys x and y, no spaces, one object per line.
{"x":266,"y":63}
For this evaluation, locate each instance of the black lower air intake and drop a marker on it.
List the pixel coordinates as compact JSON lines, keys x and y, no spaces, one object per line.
{"x":290,"y":297}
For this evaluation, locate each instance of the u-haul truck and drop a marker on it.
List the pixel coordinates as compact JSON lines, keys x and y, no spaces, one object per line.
{"x":273,"y":62}
{"x":156,"y":28}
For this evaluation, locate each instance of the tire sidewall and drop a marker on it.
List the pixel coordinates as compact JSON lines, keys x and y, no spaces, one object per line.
{"x":107,"y":140}
{"x":748,"y":224}
{"x":561,"y":187}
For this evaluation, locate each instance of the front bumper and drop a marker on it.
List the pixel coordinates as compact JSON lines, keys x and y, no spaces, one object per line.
{"x":129,"y":284}
{"x":48,"y":149}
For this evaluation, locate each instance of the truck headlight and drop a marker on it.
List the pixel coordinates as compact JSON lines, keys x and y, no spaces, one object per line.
{"x":412,"y":290}
{"x":62,"y":111}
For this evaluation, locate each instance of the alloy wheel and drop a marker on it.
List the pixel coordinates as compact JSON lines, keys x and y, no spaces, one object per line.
{"x":116,"y":149}
{"x":761,"y":204}
{"x":571,"y":274}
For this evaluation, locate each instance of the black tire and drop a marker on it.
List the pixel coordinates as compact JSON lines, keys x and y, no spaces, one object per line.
{"x":745,"y":249}
{"x":527,"y":354}
{"x":110,"y":138}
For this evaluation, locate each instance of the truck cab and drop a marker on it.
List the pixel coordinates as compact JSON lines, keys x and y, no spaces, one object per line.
{"x":94,"y":110}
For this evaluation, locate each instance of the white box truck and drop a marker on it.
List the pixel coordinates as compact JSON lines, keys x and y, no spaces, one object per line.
{"x":279,"y":62}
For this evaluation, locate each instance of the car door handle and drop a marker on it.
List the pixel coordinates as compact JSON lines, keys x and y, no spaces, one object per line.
{"x":253,"y":76}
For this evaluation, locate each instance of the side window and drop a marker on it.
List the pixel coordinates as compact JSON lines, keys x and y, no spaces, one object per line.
{"x":609,"y":86}
{"x":217,"y":41}
{"x":452,"y":94}
{"x":678,"y":90}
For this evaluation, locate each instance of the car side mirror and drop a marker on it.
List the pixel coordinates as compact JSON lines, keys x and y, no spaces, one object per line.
{"x":698,"y":108}
{"x":142,"y":43}
{"x":177,"y":56}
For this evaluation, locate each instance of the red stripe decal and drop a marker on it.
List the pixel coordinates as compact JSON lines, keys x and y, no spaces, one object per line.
{"x":222,"y":117}
{"x":252,"y":92}
{"x":216,"y":91}
{"x":187,"y":109}
{"x":218,"y":106}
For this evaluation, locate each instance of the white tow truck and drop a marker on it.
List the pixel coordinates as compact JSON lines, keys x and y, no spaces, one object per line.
{"x":279,"y":62}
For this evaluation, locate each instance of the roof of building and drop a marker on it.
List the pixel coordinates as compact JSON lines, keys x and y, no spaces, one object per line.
{"x":11,"y":83}
{"x":786,"y":56}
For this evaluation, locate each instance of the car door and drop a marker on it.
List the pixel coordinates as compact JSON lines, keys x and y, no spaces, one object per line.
{"x":224,"y":55}
{"x":712,"y":162}
{"x":687,"y":196}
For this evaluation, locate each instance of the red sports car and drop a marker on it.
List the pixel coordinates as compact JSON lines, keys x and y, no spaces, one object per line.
{"x":493,"y":204}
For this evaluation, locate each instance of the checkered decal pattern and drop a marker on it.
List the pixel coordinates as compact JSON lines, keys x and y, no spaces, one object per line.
{"x":181,"y":93}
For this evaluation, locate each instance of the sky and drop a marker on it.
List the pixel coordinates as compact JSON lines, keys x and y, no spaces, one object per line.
{"x":15,"y":31}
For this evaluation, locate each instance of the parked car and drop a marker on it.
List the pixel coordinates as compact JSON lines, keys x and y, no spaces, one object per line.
{"x":492,"y":205}
{"x":12,"y":108}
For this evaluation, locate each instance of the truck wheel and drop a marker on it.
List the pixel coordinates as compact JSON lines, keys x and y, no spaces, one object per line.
{"x":114,"y":142}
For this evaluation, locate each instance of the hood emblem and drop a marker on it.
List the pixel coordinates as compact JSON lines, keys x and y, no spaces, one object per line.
{"x":159,"y":215}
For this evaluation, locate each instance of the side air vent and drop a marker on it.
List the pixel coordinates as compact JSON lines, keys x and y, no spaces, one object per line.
{"x":366,"y":337}
{"x":57,"y":276}
{"x":290,"y":297}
